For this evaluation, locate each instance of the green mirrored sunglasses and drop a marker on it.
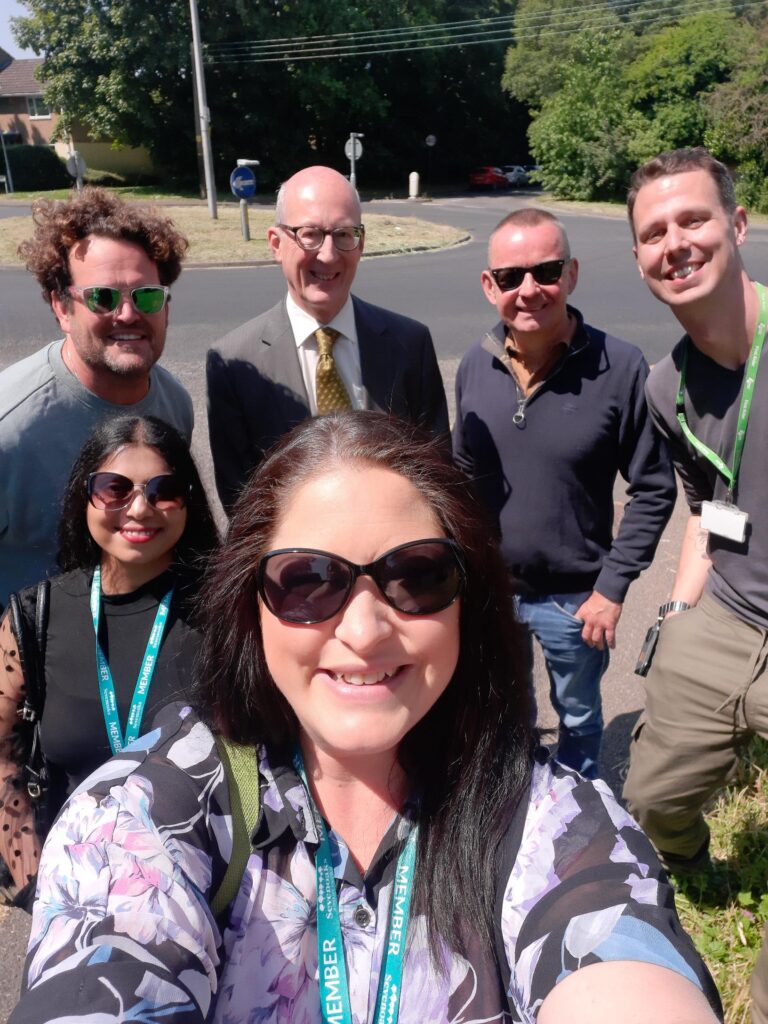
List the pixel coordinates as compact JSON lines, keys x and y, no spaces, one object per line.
{"x":147,"y":299}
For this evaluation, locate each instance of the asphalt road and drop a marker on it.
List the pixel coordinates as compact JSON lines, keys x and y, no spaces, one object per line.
{"x":441,"y":289}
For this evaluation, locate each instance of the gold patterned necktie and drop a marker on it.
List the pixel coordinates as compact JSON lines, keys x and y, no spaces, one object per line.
{"x":330,"y":393}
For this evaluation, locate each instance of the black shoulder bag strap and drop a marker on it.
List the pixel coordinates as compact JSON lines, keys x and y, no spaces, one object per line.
{"x":32,"y":661}
{"x":37,"y":769}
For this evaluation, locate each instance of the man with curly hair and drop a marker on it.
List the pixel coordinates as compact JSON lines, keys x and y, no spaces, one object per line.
{"x":105,"y":268}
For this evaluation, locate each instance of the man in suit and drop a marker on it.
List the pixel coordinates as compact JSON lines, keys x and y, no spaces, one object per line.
{"x":320,"y":348}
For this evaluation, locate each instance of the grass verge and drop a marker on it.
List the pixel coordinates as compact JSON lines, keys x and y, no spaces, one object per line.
{"x":221,"y":241}
{"x":726,"y":911}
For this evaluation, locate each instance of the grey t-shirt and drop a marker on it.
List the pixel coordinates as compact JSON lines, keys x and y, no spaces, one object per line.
{"x":45,"y":417}
{"x":739,"y":575}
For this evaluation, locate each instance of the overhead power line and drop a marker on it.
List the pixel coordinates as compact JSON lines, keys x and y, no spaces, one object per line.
{"x":447,"y":35}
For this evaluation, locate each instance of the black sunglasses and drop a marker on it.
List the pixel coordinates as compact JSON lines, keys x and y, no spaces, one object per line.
{"x":112,"y":492}
{"x":147,"y":299}
{"x":509,"y":278}
{"x":305,"y":586}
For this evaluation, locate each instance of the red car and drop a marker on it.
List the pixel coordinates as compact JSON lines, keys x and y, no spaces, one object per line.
{"x":488,"y":177}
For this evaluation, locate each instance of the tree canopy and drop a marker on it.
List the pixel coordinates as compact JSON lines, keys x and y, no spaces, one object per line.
{"x":122,"y":68}
{"x":632,"y":80}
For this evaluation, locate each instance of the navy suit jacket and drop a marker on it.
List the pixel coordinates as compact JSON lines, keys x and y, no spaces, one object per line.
{"x":256,"y":391}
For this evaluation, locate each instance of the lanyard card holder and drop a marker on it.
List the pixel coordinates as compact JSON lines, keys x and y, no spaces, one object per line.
{"x":724,"y":520}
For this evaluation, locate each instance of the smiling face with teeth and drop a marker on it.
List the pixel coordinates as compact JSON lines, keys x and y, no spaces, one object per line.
{"x":319,"y":282}
{"x":137,"y":542}
{"x":111,"y":353}
{"x":360,"y":681}
{"x":535,"y":315}
{"x":686,"y":242}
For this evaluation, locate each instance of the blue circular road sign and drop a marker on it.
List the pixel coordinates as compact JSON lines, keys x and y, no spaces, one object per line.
{"x":242,"y":181}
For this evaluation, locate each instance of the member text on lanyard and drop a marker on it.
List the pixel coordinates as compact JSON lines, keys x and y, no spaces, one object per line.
{"x":106,"y":685}
{"x":335,"y":1004}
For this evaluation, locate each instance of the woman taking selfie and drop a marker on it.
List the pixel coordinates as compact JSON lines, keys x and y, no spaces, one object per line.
{"x":413,"y":860}
{"x":119,"y":642}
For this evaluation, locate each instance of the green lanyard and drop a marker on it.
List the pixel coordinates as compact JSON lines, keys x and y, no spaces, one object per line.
{"x":335,"y":1005}
{"x":747,"y":393}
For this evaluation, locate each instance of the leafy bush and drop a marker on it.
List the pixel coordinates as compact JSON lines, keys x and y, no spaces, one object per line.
{"x":726,"y":911}
{"x":752,"y":187}
{"x":581,"y":135}
{"x":105,"y":179}
{"x":36,"y":168}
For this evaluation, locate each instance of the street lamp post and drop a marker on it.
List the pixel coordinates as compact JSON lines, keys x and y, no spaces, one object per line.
{"x":204,"y":112}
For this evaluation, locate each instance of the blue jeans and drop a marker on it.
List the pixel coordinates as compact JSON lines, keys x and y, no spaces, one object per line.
{"x":574,"y":671}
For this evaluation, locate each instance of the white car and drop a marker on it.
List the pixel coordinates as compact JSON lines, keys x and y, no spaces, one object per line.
{"x":515,"y":174}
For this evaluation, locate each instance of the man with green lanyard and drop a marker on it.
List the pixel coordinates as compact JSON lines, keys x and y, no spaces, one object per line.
{"x":707,"y":690}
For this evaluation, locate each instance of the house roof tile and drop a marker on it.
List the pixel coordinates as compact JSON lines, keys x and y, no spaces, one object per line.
{"x":18,"y":78}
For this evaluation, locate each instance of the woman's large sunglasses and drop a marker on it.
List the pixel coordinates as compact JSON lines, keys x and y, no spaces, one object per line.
{"x":305,"y":586}
{"x":112,"y":492}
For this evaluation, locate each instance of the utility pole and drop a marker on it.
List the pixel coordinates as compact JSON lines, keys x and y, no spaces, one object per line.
{"x":204,"y":112}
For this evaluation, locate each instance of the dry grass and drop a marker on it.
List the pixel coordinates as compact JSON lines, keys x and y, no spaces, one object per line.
{"x":221,"y":241}
{"x":727,"y":911}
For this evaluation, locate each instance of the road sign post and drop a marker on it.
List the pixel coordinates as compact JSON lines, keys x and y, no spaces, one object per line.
{"x":242,"y":181}
{"x":8,"y":175}
{"x":430,"y":142}
{"x":76,"y":168}
{"x":353,"y":150}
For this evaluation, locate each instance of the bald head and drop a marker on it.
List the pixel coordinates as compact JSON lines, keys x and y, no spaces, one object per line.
{"x":315,"y":183}
{"x":530,"y":217}
{"x":319,"y":280}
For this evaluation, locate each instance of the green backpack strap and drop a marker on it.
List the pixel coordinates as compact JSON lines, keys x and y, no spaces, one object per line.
{"x":242,"y":770}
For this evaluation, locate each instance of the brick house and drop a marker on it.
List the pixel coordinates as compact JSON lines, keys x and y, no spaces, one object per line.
{"x":25,"y":118}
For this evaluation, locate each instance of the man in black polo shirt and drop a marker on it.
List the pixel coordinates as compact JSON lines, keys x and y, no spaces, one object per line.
{"x":548,"y":411}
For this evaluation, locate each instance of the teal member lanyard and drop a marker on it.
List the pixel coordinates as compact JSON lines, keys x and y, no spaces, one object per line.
{"x":334,"y":987}
{"x":747,"y":393}
{"x":107,"y":686}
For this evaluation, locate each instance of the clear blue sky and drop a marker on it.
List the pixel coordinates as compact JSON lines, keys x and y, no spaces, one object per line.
{"x":8,"y":10}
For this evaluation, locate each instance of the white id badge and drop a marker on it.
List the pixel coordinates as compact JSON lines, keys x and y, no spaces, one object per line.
{"x":724,"y":520}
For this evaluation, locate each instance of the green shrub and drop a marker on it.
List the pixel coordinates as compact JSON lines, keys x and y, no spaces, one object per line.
{"x":752,"y":187}
{"x":104,"y":179}
{"x":36,"y":168}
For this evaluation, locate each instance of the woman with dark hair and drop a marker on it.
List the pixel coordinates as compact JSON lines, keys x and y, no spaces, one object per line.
{"x":120,"y":640}
{"x":415,"y":858}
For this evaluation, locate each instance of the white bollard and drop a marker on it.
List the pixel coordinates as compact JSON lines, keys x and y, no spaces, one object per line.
{"x":413,"y":185}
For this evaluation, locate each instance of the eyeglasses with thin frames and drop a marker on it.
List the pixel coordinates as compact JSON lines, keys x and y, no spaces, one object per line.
{"x":311,"y":238}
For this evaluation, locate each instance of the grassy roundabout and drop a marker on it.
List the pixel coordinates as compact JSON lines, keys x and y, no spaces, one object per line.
{"x":221,"y":241}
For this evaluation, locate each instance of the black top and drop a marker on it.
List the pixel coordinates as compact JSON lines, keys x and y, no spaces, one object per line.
{"x":74,"y":735}
{"x":739,"y":575}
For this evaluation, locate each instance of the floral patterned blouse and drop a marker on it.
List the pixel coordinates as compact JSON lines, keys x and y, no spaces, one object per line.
{"x":122,"y":929}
